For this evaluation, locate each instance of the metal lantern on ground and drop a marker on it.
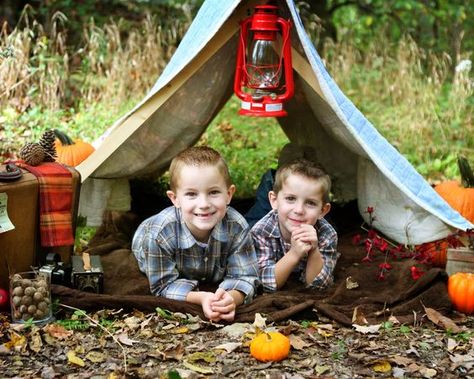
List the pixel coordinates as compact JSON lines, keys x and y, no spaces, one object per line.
{"x":264,"y":64}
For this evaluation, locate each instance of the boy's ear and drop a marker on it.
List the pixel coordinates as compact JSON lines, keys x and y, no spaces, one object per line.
{"x":230,"y":193}
{"x":325,"y":210}
{"x":272,"y":197}
{"x":172,"y":196}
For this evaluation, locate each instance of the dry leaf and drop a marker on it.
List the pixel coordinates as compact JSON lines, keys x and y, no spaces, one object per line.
{"x":260,"y":322}
{"x":382,"y":366}
{"x":74,"y":359}
{"x":440,"y":320}
{"x":237,"y":329}
{"x":452,"y":344}
{"x":367,"y":329}
{"x":401,"y":361}
{"x":58,"y":331}
{"x":95,"y":356}
{"x":200,"y":369}
{"x":180,"y":330}
{"x":428,"y":372}
{"x":35,"y":342}
{"x":206,"y":356}
{"x":351,"y":284}
{"x":17,"y":342}
{"x":358,"y":317}
{"x":393,"y":320}
{"x":228,"y":347}
{"x":123,"y":338}
{"x":298,"y":343}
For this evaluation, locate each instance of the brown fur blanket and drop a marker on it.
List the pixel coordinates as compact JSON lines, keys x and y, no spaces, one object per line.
{"x":398,"y":295}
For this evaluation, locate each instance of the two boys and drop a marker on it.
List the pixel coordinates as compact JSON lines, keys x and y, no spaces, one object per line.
{"x":200,"y":239}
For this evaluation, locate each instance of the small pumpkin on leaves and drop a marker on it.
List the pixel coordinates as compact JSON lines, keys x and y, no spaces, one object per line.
{"x":70,"y":152}
{"x":270,"y":347}
{"x":461,"y":291}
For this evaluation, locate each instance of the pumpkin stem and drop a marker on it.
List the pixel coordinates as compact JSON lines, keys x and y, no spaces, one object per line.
{"x":63,"y":137}
{"x":467,"y":177}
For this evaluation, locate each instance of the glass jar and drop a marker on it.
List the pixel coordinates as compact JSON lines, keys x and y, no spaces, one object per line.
{"x":30,"y":297}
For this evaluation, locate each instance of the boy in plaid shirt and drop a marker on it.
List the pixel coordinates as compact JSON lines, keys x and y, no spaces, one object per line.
{"x":199,"y":239}
{"x":294,"y":237}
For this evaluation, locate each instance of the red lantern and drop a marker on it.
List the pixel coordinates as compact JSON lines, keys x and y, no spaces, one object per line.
{"x":264,"y":66}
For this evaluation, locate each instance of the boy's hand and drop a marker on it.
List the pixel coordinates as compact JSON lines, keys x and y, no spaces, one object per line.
{"x":303,"y":240}
{"x":223,"y":304}
{"x":208,"y":298}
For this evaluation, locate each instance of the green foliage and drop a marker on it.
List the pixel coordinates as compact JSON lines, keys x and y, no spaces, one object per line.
{"x":432,"y":25}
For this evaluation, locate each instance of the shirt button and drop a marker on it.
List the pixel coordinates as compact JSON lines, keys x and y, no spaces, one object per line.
{"x":205,"y":259}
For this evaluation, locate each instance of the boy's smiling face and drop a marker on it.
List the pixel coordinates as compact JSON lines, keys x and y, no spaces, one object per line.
{"x":300,"y":201}
{"x":203,"y":196}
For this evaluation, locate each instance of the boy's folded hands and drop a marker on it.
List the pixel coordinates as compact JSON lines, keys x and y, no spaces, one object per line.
{"x":220,"y":305}
{"x":303,"y":240}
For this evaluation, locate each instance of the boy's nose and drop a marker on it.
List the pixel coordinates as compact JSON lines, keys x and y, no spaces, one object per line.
{"x":203,"y":201}
{"x":298,"y":208}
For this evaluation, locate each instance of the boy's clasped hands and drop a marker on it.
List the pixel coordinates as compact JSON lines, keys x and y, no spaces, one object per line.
{"x":303,"y":240}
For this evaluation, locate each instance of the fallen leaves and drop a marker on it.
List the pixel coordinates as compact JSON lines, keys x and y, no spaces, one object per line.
{"x":182,"y":344}
{"x":440,"y":320}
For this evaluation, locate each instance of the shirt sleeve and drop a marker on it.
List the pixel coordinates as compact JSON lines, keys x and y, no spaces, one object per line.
{"x":241,"y":267}
{"x":155,"y":256}
{"x":330,"y":255}
{"x":266,"y":261}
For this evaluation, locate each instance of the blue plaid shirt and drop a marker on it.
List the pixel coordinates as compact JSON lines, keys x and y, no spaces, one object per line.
{"x":271,"y":247}
{"x":175,"y":263}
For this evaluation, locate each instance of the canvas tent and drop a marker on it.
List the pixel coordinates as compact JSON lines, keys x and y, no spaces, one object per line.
{"x":198,"y":81}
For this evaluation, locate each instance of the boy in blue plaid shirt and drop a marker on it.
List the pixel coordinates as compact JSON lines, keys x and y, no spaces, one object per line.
{"x":294,"y":237}
{"x":199,"y":239}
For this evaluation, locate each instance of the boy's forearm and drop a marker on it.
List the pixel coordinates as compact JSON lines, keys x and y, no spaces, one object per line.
{"x":196,"y":297}
{"x":314,"y":265}
{"x":238,"y":297}
{"x":284,"y":267}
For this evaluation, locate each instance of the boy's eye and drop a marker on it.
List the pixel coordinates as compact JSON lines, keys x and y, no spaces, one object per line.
{"x":190,"y":194}
{"x":312,"y":203}
{"x":215,"y":192}
{"x":290,"y":198}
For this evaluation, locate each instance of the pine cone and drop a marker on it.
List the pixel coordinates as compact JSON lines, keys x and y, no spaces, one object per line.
{"x":32,"y":153}
{"x":47,"y":143}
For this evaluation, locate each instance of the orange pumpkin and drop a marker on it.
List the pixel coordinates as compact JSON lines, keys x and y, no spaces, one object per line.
{"x":71,"y":152}
{"x":270,"y":347}
{"x":461,"y":291}
{"x":460,"y":196}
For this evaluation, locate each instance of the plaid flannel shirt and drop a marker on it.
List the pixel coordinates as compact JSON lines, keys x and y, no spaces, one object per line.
{"x":271,"y":247}
{"x":175,"y":263}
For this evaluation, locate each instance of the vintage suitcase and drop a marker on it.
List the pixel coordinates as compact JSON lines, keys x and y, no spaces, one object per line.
{"x":20,"y":248}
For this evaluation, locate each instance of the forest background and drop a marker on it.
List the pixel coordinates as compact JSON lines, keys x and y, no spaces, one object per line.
{"x":78,"y":65}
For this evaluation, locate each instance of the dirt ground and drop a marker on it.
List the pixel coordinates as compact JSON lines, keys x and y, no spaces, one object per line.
{"x":112,"y":344}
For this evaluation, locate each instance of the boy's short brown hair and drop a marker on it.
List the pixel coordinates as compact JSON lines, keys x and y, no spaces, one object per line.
{"x":307,"y":169}
{"x":198,"y":156}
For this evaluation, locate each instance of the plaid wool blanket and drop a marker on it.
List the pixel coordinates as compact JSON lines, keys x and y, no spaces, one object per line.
{"x":55,"y":202}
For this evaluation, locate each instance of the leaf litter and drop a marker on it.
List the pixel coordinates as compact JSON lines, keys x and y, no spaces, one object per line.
{"x":114,"y":344}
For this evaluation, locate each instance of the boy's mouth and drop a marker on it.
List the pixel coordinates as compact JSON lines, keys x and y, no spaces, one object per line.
{"x":294,"y":221}
{"x":204,"y":215}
